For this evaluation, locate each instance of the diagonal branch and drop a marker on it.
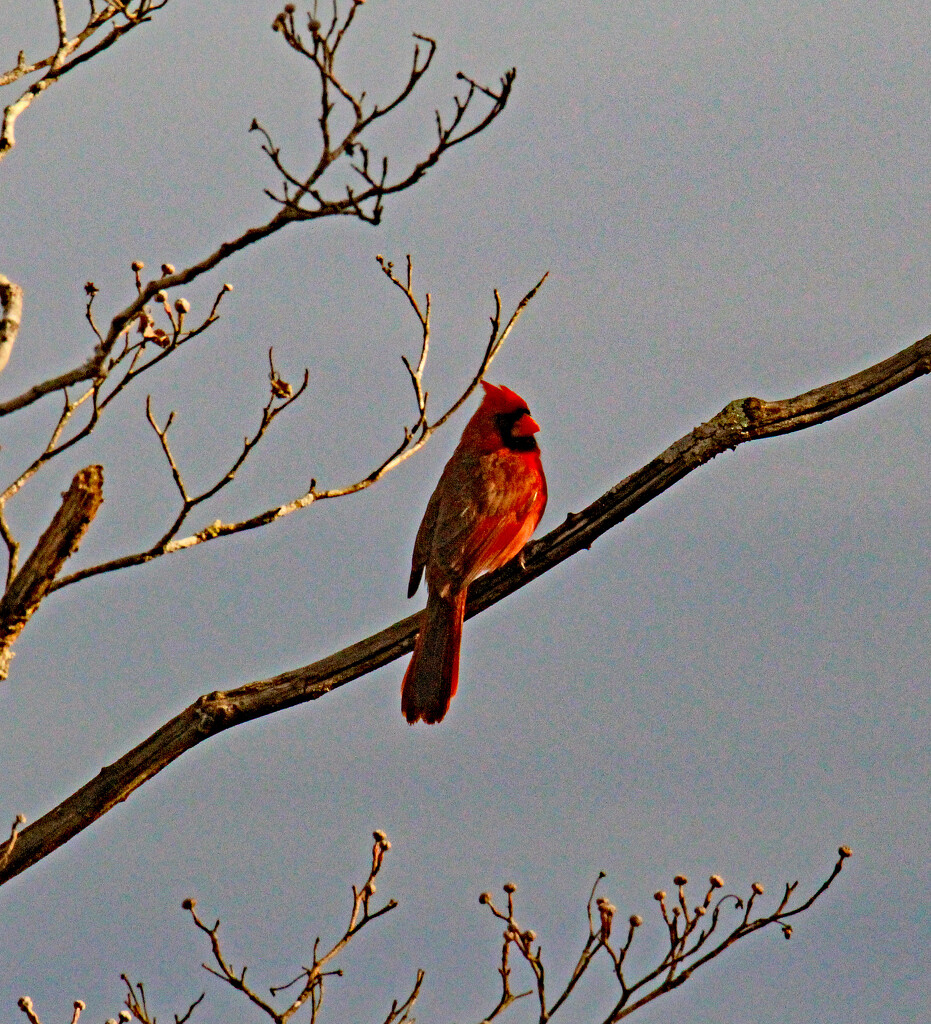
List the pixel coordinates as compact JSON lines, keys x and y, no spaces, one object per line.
{"x":741,"y":421}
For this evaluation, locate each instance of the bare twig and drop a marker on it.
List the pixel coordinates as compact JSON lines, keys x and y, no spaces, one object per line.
{"x":55,"y":445}
{"x":124,"y":367}
{"x":10,"y":844}
{"x":136,"y":1005}
{"x":741,"y":421}
{"x":312,"y":979}
{"x":25,"y":1004}
{"x":12,"y":546}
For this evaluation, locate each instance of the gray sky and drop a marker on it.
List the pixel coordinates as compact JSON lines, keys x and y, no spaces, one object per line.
{"x":730,"y":202}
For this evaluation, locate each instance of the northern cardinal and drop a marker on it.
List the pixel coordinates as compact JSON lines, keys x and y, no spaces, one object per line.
{"x":486,"y":506}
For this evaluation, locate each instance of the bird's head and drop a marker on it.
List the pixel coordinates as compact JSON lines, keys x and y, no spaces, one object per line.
{"x":510,"y":417}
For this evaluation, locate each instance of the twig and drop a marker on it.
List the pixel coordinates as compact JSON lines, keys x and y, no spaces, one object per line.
{"x":58,"y":63}
{"x":25,"y":1004}
{"x":137,"y":1006}
{"x":312,"y":978}
{"x":675,"y":967}
{"x":10,"y":844}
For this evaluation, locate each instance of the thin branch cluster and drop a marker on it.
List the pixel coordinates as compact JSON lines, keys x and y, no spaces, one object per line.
{"x":300,"y":194}
{"x":309,"y":985}
{"x":118,"y":16}
{"x":697,"y":933}
{"x":155,"y":324}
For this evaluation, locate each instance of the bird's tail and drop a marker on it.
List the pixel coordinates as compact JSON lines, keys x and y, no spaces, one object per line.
{"x":433,"y":674}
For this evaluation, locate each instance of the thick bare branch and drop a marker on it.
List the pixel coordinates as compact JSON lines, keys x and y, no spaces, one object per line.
{"x":11,"y":298}
{"x":743,"y":420}
{"x":65,"y":532}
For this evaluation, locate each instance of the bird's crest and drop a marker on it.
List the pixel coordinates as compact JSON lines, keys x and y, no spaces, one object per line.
{"x":502,"y":399}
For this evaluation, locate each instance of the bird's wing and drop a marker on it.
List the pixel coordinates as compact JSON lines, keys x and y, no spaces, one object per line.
{"x":484,"y":516}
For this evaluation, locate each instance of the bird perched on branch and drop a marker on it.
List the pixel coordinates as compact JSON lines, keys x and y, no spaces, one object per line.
{"x":485,"y":508}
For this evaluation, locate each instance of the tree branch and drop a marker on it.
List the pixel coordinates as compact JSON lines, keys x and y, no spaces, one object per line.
{"x":11,"y":298}
{"x":65,"y":532}
{"x":741,"y":421}
{"x":679,"y":962}
{"x":312,"y":979}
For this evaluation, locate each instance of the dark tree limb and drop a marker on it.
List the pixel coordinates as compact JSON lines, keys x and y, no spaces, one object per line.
{"x":65,"y":532}
{"x":743,"y":420}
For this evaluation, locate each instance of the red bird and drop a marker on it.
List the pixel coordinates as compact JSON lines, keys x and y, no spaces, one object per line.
{"x":486,"y":506}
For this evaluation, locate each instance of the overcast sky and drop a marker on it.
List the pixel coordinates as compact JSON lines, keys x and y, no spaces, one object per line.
{"x":730,"y":202}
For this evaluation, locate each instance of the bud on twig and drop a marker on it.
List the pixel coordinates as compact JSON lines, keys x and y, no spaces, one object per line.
{"x":757,"y":888}
{"x":606,"y":910}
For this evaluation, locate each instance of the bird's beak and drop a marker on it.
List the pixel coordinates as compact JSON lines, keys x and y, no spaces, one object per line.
{"x":526,"y":426}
